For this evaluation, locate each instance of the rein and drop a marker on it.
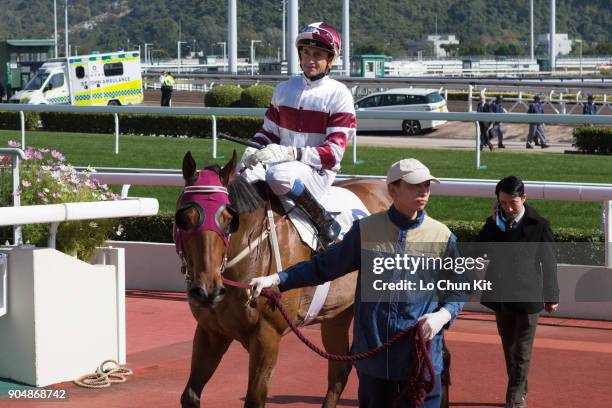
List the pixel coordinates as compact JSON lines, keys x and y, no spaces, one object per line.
{"x":421,"y":377}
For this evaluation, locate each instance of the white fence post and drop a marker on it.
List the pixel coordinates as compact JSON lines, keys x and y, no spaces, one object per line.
{"x":116,"y":133}
{"x":470,"y":89}
{"x":22,"y":118}
{"x":214,"y":136}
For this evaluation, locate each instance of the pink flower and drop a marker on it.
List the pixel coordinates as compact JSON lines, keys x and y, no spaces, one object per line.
{"x":13,"y":143}
{"x":57,"y":155}
{"x":42,"y":196}
{"x":25,"y":183}
{"x":38,"y":155}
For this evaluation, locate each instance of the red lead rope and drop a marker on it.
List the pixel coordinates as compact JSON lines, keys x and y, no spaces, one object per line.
{"x":421,"y":378}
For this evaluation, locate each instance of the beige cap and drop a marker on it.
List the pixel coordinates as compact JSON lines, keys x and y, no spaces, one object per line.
{"x":411,"y":171}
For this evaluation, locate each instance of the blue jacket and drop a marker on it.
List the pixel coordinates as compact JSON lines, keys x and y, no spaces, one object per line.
{"x":589,"y":109}
{"x":375,"y":322}
{"x":536,"y":107}
{"x":497,"y":107}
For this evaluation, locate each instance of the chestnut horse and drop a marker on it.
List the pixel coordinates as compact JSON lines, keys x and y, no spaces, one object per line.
{"x":224,"y":314}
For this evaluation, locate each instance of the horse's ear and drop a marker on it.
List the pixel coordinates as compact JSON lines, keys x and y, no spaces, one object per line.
{"x":189,"y":167}
{"x":228,"y":172}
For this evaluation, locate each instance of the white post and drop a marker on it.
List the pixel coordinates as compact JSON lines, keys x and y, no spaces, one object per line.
{"x":477,"y":146}
{"x":580,"y":59}
{"x":355,"y":148}
{"x":608,"y":233}
{"x":66,"y":28}
{"x":214,"y":136}
{"x":293,"y":66}
{"x":16,"y":197}
{"x":178,"y":52}
{"x":552,"y":53}
{"x":470,"y":89}
{"x":52,"y":234}
{"x":22,"y":120}
{"x":253,"y":56}
{"x":232,"y":36}
{"x":116,"y":133}
{"x":117,"y":258}
{"x":446,"y":94}
{"x":346,"y":38}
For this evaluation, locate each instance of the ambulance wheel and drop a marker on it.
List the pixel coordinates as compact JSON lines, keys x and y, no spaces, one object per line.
{"x":113,"y":103}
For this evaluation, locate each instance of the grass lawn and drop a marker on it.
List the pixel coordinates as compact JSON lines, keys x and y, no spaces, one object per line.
{"x":167,"y":153}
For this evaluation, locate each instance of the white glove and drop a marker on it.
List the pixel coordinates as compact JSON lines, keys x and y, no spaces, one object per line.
{"x":257,"y":284}
{"x":248,"y":153}
{"x":434,"y":322}
{"x":272,"y":153}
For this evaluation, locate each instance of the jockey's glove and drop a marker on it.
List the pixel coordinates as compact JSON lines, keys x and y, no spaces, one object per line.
{"x":434,"y":322}
{"x":257,"y":284}
{"x":248,"y":152}
{"x":272,"y":153}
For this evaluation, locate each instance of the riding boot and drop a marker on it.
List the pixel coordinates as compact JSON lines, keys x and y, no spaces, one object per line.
{"x":327,"y":227}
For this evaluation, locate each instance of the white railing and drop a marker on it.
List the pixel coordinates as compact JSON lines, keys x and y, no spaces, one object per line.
{"x":539,"y":190}
{"x":57,"y":213}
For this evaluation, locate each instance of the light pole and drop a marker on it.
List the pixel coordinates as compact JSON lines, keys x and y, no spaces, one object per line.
{"x":284,"y":31}
{"x":253,"y":56}
{"x":178,"y":48}
{"x":146,"y":55}
{"x":55,"y":25}
{"x":66,"y":28}
{"x":76,"y":50}
{"x":224,"y":44}
{"x":580,"y":41}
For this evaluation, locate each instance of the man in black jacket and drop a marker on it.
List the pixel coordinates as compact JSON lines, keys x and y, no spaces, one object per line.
{"x":523,"y":271}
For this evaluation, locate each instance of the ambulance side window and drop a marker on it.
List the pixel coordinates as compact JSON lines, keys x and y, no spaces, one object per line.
{"x":80,"y":72}
{"x":57,"y":80}
{"x":113,"y":69}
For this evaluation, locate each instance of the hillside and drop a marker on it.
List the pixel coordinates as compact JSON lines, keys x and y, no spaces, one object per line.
{"x":481,"y":25}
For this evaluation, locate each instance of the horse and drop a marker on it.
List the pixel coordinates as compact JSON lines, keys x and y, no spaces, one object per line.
{"x":225,"y":313}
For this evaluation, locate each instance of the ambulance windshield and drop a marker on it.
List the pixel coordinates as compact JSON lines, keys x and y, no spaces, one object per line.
{"x":38,"y":81}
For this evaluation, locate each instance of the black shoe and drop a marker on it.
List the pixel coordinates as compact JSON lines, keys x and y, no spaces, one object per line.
{"x":537,"y":142}
{"x":528,"y":146}
{"x":501,"y":146}
{"x":544,"y":146}
{"x":491,"y":146}
{"x":327,"y":227}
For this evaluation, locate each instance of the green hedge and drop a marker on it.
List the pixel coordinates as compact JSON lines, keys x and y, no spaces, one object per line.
{"x":150,"y":125}
{"x":11,"y":120}
{"x":593,"y":140}
{"x":223,"y":96}
{"x":257,"y":96}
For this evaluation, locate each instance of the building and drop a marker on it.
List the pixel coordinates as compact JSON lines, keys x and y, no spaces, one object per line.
{"x":368,"y":66}
{"x":438,"y":40}
{"x":563,"y":45}
{"x":19,"y":60}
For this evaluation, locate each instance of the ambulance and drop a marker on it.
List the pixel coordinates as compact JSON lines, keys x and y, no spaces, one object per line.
{"x":97,"y":79}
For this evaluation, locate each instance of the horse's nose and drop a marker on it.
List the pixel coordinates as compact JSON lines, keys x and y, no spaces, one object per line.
{"x":199,"y":294}
{"x":204,"y":297}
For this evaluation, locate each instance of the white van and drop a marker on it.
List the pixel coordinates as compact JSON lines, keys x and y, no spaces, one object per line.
{"x":402,"y":99}
{"x":97,"y":79}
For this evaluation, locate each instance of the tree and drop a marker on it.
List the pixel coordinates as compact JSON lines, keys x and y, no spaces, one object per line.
{"x":452,"y":50}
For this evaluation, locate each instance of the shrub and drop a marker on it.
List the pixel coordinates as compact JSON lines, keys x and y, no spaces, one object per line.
{"x":593,"y":140}
{"x":11,"y":120}
{"x":257,"y":96}
{"x":46,"y":179}
{"x":223,"y":96}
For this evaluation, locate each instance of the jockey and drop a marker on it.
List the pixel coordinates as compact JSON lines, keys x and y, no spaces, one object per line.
{"x":310,"y":121}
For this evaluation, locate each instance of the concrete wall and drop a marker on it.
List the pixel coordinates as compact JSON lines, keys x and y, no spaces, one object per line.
{"x":151,"y":266}
{"x":61,"y":319}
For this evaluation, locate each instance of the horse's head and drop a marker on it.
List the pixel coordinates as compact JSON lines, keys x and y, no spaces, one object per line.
{"x":204,"y":220}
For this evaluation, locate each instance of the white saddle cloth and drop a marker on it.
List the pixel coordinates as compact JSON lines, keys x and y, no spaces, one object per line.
{"x":336,"y":200}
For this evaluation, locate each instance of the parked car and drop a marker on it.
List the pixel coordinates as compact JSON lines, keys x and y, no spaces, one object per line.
{"x":402,"y":99}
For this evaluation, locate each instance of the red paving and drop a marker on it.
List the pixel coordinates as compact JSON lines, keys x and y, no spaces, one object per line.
{"x":571,"y":365}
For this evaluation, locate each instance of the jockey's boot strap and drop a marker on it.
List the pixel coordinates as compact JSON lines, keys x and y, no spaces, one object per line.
{"x":327,"y":227}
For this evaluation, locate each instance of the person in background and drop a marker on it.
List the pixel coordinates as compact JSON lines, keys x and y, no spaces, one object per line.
{"x":523,"y":272}
{"x":2,"y":92}
{"x":536,"y":130}
{"x":484,"y":107}
{"x":166,"y":88}
{"x":590,"y":108}
{"x":496,"y":129}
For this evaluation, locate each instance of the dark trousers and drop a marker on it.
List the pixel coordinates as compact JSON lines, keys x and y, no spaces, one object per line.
{"x":378,"y":393}
{"x":166,"y":96}
{"x":517,"y":331}
{"x":496,"y":130}
{"x":484,"y":134}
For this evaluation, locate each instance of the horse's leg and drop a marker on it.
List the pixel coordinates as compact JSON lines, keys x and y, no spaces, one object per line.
{"x":263,"y":353}
{"x":334,"y":333}
{"x":207,"y":351}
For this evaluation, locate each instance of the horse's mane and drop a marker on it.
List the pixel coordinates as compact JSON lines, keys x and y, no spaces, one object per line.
{"x":244,"y":196}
